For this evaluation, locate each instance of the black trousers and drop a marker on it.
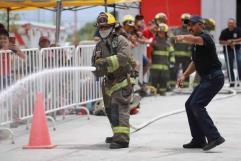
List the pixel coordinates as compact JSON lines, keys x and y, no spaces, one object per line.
{"x":201,"y":125}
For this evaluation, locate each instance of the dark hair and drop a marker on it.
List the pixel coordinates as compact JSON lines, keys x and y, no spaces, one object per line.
{"x":139,"y":17}
{"x":1,"y":26}
{"x":4,"y":32}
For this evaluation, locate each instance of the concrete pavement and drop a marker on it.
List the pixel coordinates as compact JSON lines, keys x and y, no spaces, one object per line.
{"x":79,"y":139}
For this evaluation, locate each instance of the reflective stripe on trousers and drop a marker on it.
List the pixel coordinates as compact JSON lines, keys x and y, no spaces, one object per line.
{"x":161,"y":53}
{"x":159,"y":66}
{"x":120,"y":85}
{"x":121,"y":130}
{"x":183,"y":53}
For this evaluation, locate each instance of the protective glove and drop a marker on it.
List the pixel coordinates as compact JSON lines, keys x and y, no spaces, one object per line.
{"x":101,"y":62}
{"x":101,"y":67}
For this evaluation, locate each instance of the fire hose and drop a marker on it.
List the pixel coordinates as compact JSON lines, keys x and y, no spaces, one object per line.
{"x":179,"y":111}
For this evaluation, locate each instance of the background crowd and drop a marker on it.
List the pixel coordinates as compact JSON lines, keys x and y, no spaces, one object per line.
{"x":165,"y":59}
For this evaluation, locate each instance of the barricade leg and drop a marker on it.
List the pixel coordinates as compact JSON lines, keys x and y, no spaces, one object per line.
{"x":10,"y":133}
{"x":48,"y":117}
{"x":237,"y":58}
{"x":27,"y":124}
{"x":227,"y":60}
{"x":237,"y":66}
{"x":64,"y":114}
{"x":53,"y":121}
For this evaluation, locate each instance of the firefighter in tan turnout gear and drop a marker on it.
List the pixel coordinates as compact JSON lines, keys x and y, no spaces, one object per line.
{"x":182,"y":51}
{"x":162,"y":59}
{"x":113,"y":60}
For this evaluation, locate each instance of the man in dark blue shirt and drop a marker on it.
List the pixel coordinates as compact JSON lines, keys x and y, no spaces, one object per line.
{"x":230,"y":37}
{"x":207,"y":65}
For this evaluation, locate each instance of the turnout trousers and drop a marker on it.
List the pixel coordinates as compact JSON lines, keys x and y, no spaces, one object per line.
{"x":117,"y":108}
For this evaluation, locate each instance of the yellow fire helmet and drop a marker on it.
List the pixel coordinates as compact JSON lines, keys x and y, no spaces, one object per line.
{"x":210,"y":24}
{"x":210,"y":21}
{"x":161,"y":16}
{"x":162,"y":27}
{"x":105,"y":19}
{"x":128,"y":18}
{"x":185,"y":16}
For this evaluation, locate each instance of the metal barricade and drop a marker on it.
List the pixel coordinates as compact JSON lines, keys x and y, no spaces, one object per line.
{"x":15,"y":69}
{"x":55,"y":72}
{"x":138,"y":53}
{"x":6,"y":59}
{"x":92,"y":84}
{"x":83,"y":54}
{"x":233,"y":64}
{"x":12,"y":69}
{"x":58,"y":88}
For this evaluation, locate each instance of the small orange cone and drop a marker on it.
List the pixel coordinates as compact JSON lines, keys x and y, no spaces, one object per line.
{"x":83,"y":108}
{"x":83,"y":111}
{"x":134,"y":111}
{"x":39,"y":134}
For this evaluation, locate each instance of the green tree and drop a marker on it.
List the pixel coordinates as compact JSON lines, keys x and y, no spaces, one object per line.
{"x":85,"y":33}
{"x":88,"y":31}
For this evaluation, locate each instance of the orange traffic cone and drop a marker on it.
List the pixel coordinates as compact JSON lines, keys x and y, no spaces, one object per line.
{"x":39,"y":134}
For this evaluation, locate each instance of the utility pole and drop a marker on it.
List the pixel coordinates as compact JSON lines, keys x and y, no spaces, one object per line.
{"x":106,"y":9}
{"x":76,"y":28}
{"x":58,"y":20}
{"x":8,"y":19}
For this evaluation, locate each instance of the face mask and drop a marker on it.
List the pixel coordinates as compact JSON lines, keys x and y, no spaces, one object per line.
{"x":105,"y":33}
{"x":184,"y":24}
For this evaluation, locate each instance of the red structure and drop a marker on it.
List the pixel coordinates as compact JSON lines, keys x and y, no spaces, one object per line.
{"x":173,"y":9}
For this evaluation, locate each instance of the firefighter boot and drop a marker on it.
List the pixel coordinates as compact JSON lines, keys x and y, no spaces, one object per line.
{"x":119,"y":145}
{"x":108,"y":140}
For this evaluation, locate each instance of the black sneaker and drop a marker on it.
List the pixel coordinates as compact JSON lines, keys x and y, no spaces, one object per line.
{"x":214,"y":143}
{"x":119,"y":145}
{"x":194,"y":144}
{"x":108,"y":140}
{"x":231,"y":85}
